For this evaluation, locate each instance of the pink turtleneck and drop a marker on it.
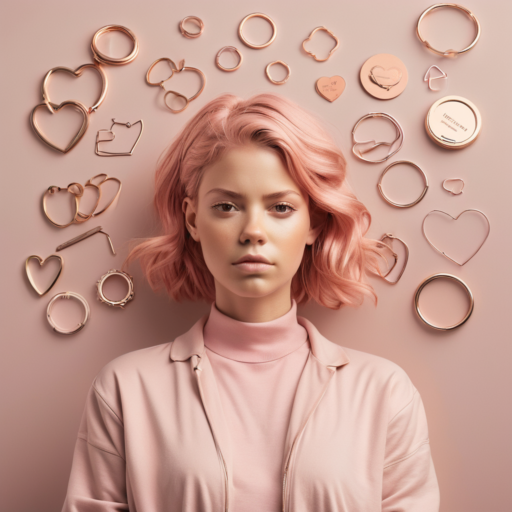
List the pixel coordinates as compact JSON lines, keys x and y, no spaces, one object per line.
{"x":257,"y":367}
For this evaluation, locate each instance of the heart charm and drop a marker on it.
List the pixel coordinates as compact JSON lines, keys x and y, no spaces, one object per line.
{"x":454,"y":186}
{"x":330,"y":88}
{"x":455,"y":218}
{"x":41,"y":263}
{"x":111,"y":136}
{"x":81,"y":132}
{"x":76,"y":73}
{"x":385,"y":78}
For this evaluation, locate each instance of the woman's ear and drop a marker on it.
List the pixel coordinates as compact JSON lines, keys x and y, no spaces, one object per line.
{"x":190,"y":217}
{"x":317,"y":220}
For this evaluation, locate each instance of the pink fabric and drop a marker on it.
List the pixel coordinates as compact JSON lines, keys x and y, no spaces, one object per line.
{"x":257,"y":367}
{"x":153,"y":436}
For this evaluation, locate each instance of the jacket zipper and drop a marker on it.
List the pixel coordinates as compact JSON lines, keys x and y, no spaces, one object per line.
{"x":197,"y":370}
{"x":287,"y":469}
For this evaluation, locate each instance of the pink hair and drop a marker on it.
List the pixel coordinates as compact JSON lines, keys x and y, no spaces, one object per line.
{"x":332,"y":270}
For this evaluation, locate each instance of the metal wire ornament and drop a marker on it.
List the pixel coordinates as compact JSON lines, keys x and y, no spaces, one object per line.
{"x":337,"y":41}
{"x":83,"y":236}
{"x":443,"y":276}
{"x":116,"y":303}
{"x":428,"y":77}
{"x":67,"y":296}
{"x":257,"y":15}
{"x":41,"y":263}
{"x":398,"y":205}
{"x":278,"y":82}
{"x":448,"y":53}
{"x":176,"y":69}
{"x":105,"y":59}
{"x":100,"y":152}
{"x":399,"y":137}
{"x":232,"y":49}
{"x":197,"y":21}
{"x":390,"y":236}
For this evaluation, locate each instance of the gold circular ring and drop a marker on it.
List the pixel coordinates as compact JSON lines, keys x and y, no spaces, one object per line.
{"x":448,"y":53}
{"x":105,"y":59}
{"x":52,"y":190}
{"x":117,"y":303}
{"x":197,"y":21}
{"x":229,"y":49}
{"x":408,"y":205}
{"x":68,"y":295}
{"x":443,"y":276}
{"x":257,"y":15}
{"x":278,"y":82}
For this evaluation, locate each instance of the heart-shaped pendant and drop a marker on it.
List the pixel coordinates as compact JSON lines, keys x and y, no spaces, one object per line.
{"x":41,"y":263}
{"x":385,"y":78}
{"x":56,"y":108}
{"x":454,"y":186}
{"x":330,"y":88}
{"x":455,"y":218}
{"x":76,"y":73}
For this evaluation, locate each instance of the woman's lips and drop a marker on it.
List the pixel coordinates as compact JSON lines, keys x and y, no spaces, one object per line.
{"x":253,"y":266}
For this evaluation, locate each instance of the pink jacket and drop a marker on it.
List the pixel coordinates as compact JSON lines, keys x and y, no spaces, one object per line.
{"x":153,"y":437}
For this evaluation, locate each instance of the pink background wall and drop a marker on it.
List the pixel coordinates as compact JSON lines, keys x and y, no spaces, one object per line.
{"x":463,"y":375}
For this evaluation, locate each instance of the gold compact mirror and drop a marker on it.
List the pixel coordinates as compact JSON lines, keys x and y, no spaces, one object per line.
{"x":453,"y":122}
{"x":384,"y":76}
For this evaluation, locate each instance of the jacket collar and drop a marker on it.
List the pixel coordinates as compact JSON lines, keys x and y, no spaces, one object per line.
{"x":192,"y":342}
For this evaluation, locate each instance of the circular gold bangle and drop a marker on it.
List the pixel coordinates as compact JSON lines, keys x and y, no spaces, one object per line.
{"x":68,"y":295}
{"x":448,"y":53}
{"x":197,"y":21}
{"x":117,"y":303}
{"x":232,"y":49}
{"x":408,"y":205}
{"x":52,"y":190}
{"x":443,"y":276}
{"x":278,"y":82}
{"x":105,"y":59}
{"x":257,"y":15}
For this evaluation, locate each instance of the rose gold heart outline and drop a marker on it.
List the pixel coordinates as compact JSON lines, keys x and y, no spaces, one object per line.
{"x":128,"y":125}
{"x":309,"y":39}
{"x":455,"y":218}
{"x":81,"y":132}
{"x":454,"y":179}
{"x":373,"y":78}
{"x":330,"y":78}
{"x":389,"y":235}
{"x":41,"y":263}
{"x":76,"y":73}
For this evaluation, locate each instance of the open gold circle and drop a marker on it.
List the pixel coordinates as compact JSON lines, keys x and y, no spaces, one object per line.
{"x":51,"y":190}
{"x":197,"y":21}
{"x":398,"y":205}
{"x":68,"y":295}
{"x":257,"y":15}
{"x":105,"y":59}
{"x":443,"y":276}
{"x":448,"y":53}
{"x":232,"y":49}
{"x":278,"y":82}
{"x":117,"y":303}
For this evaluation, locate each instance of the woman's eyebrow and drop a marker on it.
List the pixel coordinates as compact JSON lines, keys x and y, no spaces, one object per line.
{"x":237,"y":195}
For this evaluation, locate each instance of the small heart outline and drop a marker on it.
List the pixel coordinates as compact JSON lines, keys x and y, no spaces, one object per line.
{"x":41,"y":263}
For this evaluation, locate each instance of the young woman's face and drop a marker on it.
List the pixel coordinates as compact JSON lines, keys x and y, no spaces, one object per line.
{"x":249,"y":205}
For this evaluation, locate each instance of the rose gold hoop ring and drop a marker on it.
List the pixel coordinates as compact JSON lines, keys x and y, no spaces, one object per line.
{"x":408,"y":205}
{"x":228,"y":49}
{"x":105,"y":59}
{"x":448,"y":53}
{"x":197,"y":21}
{"x":257,"y":15}
{"x":68,"y":295}
{"x":110,"y":302}
{"x":278,"y":82}
{"x":443,"y":276}
{"x":52,"y":190}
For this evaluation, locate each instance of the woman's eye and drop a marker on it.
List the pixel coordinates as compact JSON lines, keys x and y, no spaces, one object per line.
{"x":222,"y":205}
{"x":284,"y":205}
{"x":226,"y":207}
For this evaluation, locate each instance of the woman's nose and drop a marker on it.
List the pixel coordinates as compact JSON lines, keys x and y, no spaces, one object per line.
{"x":254,"y":229}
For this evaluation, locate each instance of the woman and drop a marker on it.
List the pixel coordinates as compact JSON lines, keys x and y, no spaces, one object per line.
{"x":252,"y":409}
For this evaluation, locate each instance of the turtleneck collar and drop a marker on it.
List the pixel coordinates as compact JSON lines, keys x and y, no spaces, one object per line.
{"x":253,"y":342}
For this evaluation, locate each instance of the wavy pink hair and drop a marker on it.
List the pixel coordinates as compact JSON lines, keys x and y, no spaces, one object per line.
{"x":332,"y":270}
